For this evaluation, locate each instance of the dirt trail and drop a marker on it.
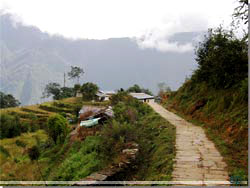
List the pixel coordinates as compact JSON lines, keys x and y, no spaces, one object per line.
{"x":197,"y":160}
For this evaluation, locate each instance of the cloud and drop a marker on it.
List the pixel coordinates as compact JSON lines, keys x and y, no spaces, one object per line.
{"x":159,"y":37}
{"x":153,"y":20}
{"x":163,"y":44}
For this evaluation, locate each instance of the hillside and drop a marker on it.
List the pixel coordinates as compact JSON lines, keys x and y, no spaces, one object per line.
{"x":31,"y":58}
{"x":93,"y":149}
{"x":216,"y":97}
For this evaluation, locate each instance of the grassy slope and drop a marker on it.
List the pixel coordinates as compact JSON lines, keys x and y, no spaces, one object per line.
{"x":223,"y":114}
{"x":67,"y":161}
{"x":17,"y":165}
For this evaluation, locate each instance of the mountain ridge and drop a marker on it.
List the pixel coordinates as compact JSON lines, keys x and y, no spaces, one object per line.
{"x":111,"y":63}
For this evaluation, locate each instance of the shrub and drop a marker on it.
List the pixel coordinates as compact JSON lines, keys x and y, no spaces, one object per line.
{"x":114,"y":135}
{"x":244,"y":89}
{"x":20,"y":143}
{"x":57,"y":128}
{"x":10,"y":126}
{"x":33,"y":153}
{"x":120,"y":96}
{"x":84,"y":159}
{"x":25,"y":127}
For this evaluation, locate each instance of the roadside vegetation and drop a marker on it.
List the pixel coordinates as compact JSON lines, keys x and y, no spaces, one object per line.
{"x":48,"y":153}
{"x":216,"y":95}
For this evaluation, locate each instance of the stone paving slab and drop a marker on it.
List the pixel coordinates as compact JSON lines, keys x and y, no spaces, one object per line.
{"x":197,"y":159}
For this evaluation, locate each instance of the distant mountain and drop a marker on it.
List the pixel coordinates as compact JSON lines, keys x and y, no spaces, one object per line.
{"x":31,"y":58}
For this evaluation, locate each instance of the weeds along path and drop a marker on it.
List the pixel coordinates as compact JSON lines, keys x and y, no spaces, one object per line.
{"x":197,"y":160}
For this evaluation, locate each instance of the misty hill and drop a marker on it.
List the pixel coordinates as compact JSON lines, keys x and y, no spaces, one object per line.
{"x":31,"y":58}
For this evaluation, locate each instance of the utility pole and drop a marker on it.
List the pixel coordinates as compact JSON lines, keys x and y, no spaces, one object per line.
{"x":64,"y":80}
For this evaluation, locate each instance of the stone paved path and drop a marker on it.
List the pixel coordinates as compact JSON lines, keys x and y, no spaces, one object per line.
{"x":197,"y":160}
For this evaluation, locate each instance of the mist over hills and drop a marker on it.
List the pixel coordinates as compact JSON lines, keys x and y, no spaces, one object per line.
{"x":30,"y":59}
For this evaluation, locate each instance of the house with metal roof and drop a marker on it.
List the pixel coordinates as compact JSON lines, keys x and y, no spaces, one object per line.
{"x":104,"y":95}
{"x":142,"y":97}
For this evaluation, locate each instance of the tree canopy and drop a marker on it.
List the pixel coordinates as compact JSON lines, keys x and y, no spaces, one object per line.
{"x":89,"y":91}
{"x":241,"y":12}
{"x":75,"y":73}
{"x":57,"y":92}
{"x":222,"y":59}
{"x":137,"y":89}
{"x":8,"y":100}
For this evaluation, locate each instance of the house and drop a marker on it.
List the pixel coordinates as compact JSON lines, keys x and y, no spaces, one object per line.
{"x":105,"y":95}
{"x":143,"y":97}
{"x":78,"y":93}
{"x":101,"y":95}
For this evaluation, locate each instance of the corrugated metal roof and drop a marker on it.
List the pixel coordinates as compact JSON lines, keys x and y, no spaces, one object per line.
{"x":107,"y":92}
{"x":141,"y":96}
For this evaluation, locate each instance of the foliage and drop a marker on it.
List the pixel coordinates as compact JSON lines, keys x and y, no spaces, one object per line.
{"x":136,"y":122}
{"x":57,"y":128}
{"x":244,"y":89}
{"x":33,"y":153}
{"x":66,"y":92}
{"x":75,"y":73}
{"x":89,"y":91}
{"x":20,"y":143}
{"x":7,"y":101}
{"x":33,"y":122}
{"x":52,"y":89}
{"x":241,"y":12}
{"x":222,"y":59}
{"x":114,"y":135}
{"x":10,"y":126}
{"x":77,"y":87}
{"x":120,"y":96}
{"x":81,"y":162}
{"x":223,"y":115}
{"x":137,"y":89}
{"x":57,"y":92}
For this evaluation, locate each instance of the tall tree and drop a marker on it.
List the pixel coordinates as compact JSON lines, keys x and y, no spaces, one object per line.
{"x":58,"y":92}
{"x":75,"y":73}
{"x":52,"y":89}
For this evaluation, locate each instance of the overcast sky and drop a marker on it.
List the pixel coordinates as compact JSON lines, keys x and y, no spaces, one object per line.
{"x":152,"y":22}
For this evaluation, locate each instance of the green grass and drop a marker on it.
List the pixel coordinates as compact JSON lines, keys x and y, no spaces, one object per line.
{"x":17,"y":165}
{"x":224,"y":118}
{"x":157,"y":140}
{"x":74,"y":161}
{"x":82,"y":162}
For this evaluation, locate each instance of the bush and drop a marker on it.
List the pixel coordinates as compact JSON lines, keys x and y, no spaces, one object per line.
{"x":33,"y":153}
{"x":20,"y":143}
{"x":25,"y":127}
{"x":83,"y":160}
{"x":244,"y":89}
{"x":115,"y":135}
{"x":120,"y":96}
{"x":57,"y":128}
{"x":10,"y":126}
